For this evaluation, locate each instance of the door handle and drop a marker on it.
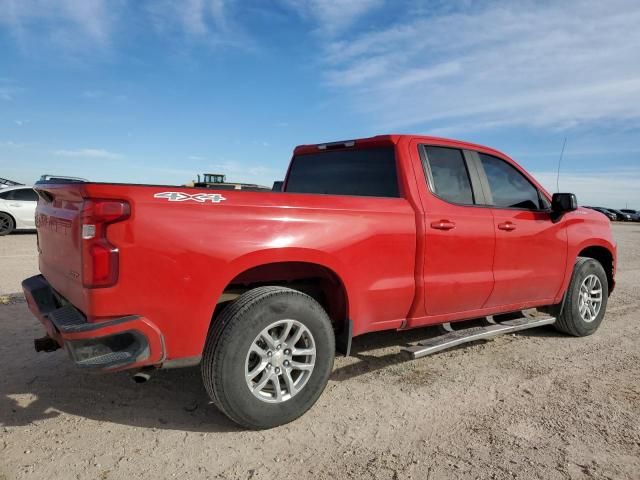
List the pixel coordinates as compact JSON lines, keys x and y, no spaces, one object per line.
{"x":15,"y":205}
{"x":443,"y":225}
{"x":508,"y":226}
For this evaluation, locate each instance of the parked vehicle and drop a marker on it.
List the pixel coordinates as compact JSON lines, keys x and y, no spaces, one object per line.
{"x":47,"y":178}
{"x":384,"y":233}
{"x":634,"y":214}
{"x":218,"y":181}
{"x":5,"y":182}
{"x":17,"y":209}
{"x":610,"y":215}
{"x":620,"y":216}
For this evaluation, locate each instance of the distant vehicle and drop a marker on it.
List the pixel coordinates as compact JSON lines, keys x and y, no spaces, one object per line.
{"x":219,"y":182}
{"x":5,"y":182}
{"x":17,"y":209}
{"x":635,"y":214}
{"x":624,"y":217}
{"x":611,"y":216}
{"x":61,"y":179}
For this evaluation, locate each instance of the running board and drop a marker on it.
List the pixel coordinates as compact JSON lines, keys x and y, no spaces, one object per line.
{"x":459,"y":337}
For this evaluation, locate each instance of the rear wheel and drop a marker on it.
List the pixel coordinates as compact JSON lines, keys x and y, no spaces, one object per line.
{"x":268,"y":357}
{"x":7,"y":225}
{"x":586,"y":300}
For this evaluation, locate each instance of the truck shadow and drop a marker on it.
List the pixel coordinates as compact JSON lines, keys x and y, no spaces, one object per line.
{"x":36,"y":387}
{"x":171,"y":400}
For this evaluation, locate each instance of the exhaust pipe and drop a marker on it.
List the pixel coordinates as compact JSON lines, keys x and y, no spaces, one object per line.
{"x":45,"y":344}
{"x":141,"y":377}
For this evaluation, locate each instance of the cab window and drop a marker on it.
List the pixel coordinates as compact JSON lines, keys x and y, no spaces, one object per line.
{"x":449,"y":175}
{"x":509,"y":188}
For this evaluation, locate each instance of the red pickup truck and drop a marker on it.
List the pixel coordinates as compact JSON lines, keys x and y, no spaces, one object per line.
{"x":261,"y":288}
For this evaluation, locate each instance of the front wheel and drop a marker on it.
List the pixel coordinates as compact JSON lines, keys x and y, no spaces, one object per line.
{"x":268,"y":357}
{"x":586,"y":300}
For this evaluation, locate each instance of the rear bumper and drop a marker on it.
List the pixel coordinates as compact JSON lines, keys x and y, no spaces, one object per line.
{"x":120,"y":343}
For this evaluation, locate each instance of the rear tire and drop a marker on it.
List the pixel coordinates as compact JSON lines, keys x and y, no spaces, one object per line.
{"x":586,"y":301}
{"x":7,"y":225}
{"x":260,"y":382}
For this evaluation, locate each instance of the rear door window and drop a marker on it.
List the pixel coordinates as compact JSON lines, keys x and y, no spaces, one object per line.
{"x":509,"y":187}
{"x":363,"y":172}
{"x":449,"y":175}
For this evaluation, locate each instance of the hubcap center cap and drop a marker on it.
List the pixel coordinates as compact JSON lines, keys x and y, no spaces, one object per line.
{"x":277,"y":359}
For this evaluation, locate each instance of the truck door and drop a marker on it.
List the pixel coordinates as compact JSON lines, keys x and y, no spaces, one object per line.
{"x":531,"y":250}
{"x":459,"y":234}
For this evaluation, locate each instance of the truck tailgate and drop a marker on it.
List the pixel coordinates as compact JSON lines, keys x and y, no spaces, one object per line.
{"x":58,"y":223}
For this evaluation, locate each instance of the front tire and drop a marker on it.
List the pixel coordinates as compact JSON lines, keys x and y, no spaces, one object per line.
{"x":268,"y":357}
{"x":7,"y":225}
{"x":586,"y":301}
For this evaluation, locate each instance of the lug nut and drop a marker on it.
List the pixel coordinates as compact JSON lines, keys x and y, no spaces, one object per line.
{"x":286,"y":363}
{"x":277,"y":370}
{"x":287,"y":352}
{"x":268,"y":366}
{"x":278,"y":347}
{"x":269,"y":353}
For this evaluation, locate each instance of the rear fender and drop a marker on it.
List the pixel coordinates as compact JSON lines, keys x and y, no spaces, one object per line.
{"x":280,"y":255}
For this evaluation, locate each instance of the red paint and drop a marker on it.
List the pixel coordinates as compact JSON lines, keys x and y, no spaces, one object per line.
{"x":403,"y":262}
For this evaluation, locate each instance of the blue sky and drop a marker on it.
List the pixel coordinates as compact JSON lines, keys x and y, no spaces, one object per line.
{"x":157,"y":91}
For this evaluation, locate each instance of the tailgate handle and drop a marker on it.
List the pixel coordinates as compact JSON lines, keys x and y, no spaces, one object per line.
{"x":443,"y":225}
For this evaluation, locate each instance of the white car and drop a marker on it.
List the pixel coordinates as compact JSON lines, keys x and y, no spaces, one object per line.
{"x":17,"y":209}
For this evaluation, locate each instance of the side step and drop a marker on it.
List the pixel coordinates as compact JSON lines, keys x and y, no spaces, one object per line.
{"x":459,"y":337}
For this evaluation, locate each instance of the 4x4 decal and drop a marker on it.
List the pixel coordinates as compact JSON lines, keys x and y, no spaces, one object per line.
{"x":196,"y":197}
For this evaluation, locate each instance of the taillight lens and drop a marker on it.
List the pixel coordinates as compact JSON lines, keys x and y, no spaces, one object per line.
{"x":100,"y":258}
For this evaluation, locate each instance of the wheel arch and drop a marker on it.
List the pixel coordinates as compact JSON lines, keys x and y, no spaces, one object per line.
{"x":322,"y":280}
{"x":12,"y":217}
{"x":605,"y":257}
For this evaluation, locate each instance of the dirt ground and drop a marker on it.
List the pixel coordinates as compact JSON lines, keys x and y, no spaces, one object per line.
{"x":532,"y":405}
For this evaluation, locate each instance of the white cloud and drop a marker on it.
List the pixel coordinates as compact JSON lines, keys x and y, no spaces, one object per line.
{"x":11,"y":144}
{"x":614,"y":188}
{"x":91,"y":94}
{"x":73,"y":25}
{"x":8,"y":89}
{"x":206,"y":21}
{"x":333,"y":16}
{"x":556,"y":65}
{"x":242,"y":172}
{"x":6,"y":93}
{"x":89,"y":26}
{"x":88,"y":153}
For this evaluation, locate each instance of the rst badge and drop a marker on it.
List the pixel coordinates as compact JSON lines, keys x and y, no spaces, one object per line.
{"x":185,"y":197}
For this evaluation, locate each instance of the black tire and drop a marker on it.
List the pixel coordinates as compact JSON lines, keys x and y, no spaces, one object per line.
{"x":570,"y":321}
{"x":7,"y":225}
{"x":227,"y":347}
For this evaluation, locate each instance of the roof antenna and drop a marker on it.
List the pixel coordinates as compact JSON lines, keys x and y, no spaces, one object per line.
{"x":559,"y":162}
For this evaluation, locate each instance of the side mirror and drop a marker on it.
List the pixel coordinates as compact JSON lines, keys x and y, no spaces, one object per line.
{"x":562,"y":203}
{"x":277,"y":186}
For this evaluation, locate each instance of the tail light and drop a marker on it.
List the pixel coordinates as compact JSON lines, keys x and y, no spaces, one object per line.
{"x":100,"y":259}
